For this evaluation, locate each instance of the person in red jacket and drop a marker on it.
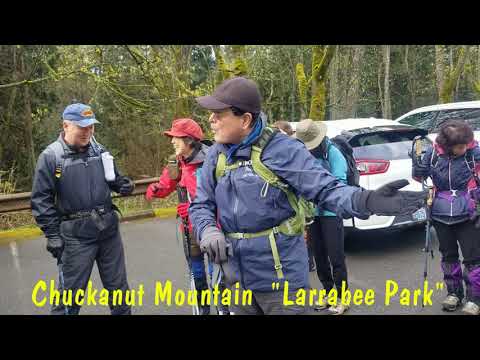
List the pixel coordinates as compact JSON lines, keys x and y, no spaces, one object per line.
{"x":190,"y":153}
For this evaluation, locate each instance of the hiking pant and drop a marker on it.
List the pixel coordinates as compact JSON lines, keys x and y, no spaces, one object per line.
{"x":198,"y":267}
{"x":268,"y":303}
{"x":450,"y":237}
{"x":78,"y":257}
{"x":326,"y":234}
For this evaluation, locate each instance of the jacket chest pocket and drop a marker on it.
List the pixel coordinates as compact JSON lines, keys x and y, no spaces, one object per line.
{"x":254,"y":193}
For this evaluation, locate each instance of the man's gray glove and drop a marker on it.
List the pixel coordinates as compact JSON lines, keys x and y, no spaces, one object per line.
{"x":389,"y":201}
{"x":55,"y":246}
{"x":126,"y":186}
{"x":214,"y":244}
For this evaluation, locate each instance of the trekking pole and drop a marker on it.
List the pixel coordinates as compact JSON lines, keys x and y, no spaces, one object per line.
{"x":182,"y":198}
{"x":428,"y":204}
{"x":216,"y":279}
{"x":195,"y":310}
{"x":217,"y":276}
{"x":62,"y":280}
{"x":428,"y":235}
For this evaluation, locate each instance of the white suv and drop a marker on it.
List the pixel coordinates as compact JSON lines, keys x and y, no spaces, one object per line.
{"x":381,"y":149}
{"x":431,"y":117}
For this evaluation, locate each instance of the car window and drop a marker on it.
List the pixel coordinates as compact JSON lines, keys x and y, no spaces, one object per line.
{"x":391,"y":151}
{"x":382,"y":138}
{"x":385,"y":146}
{"x":423,"y":120}
{"x":472,"y":116}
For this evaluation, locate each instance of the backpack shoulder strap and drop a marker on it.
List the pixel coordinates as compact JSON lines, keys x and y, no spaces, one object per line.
{"x":267,"y":134}
{"x":221,"y":165}
{"x":469,"y":155}
{"x":97,"y":148}
{"x":258,"y":166}
{"x":471,"y":164}
{"x":59,"y":152}
{"x":434,"y":158}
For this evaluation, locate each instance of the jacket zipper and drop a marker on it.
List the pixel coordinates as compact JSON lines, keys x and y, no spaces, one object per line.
{"x":235,"y":208}
{"x":450,"y":185}
{"x":235,"y":203}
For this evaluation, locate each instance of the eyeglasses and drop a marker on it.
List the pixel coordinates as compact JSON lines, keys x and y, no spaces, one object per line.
{"x":236,"y":111}
{"x":219,"y":115}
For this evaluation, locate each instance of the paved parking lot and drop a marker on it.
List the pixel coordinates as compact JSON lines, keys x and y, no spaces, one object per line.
{"x":153,"y":254}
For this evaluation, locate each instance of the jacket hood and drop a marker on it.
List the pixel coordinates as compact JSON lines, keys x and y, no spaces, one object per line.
{"x":199,"y":157}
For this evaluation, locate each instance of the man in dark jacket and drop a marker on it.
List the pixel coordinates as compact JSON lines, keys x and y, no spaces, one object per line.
{"x":72,"y":204}
{"x":256,"y":218}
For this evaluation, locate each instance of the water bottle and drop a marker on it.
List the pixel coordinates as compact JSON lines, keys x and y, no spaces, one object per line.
{"x":107,"y":161}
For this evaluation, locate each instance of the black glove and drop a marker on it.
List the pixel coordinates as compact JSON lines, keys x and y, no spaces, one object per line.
{"x":388,"y":201}
{"x":55,"y":246}
{"x":475,"y":218}
{"x":126,"y":186}
{"x":420,"y":171}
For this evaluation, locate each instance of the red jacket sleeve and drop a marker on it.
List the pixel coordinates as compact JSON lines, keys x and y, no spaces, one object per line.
{"x":165,"y":186}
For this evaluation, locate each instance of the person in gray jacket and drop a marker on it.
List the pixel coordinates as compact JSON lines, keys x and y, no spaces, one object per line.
{"x":71,"y":202}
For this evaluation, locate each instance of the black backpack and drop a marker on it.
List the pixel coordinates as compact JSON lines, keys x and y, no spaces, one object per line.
{"x":353,"y":175}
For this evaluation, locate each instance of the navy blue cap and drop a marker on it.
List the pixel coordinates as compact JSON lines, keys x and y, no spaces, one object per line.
{"x":81,"y":114}
{"x":238,"y":92}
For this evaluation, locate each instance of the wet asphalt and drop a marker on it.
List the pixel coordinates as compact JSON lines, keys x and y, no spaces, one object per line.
{"x":153,"y":255}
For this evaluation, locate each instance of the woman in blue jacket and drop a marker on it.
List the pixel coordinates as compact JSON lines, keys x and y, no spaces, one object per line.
{"x":452,"y":165}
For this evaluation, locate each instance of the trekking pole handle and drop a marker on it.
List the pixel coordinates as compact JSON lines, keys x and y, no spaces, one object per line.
{"x":430,"y":197}
{"x":418,"y":146}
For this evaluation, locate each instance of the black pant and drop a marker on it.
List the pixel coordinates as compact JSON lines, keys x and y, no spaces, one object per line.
{"x":83,"y":246}
{"x":467,"y":237}
{"x":326,"y":234}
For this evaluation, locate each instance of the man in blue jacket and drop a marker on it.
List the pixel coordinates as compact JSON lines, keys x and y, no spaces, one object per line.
{"x":258,"y":234}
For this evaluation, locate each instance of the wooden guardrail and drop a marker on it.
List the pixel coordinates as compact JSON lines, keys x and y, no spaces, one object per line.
{"x":21,"y":201}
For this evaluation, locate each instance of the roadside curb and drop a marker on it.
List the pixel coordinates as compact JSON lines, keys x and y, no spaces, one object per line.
{"x":29,"y":232}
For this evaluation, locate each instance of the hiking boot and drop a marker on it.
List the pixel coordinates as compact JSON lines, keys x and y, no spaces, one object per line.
{"x":318,"y":307}
{"x":451,"y":302}
{"x":339,"y":309}
{"x":470,"y":308}
{"x":223,"y":310}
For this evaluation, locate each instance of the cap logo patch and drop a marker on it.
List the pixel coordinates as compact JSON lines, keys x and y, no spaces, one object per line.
{"x":87,"y":112}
